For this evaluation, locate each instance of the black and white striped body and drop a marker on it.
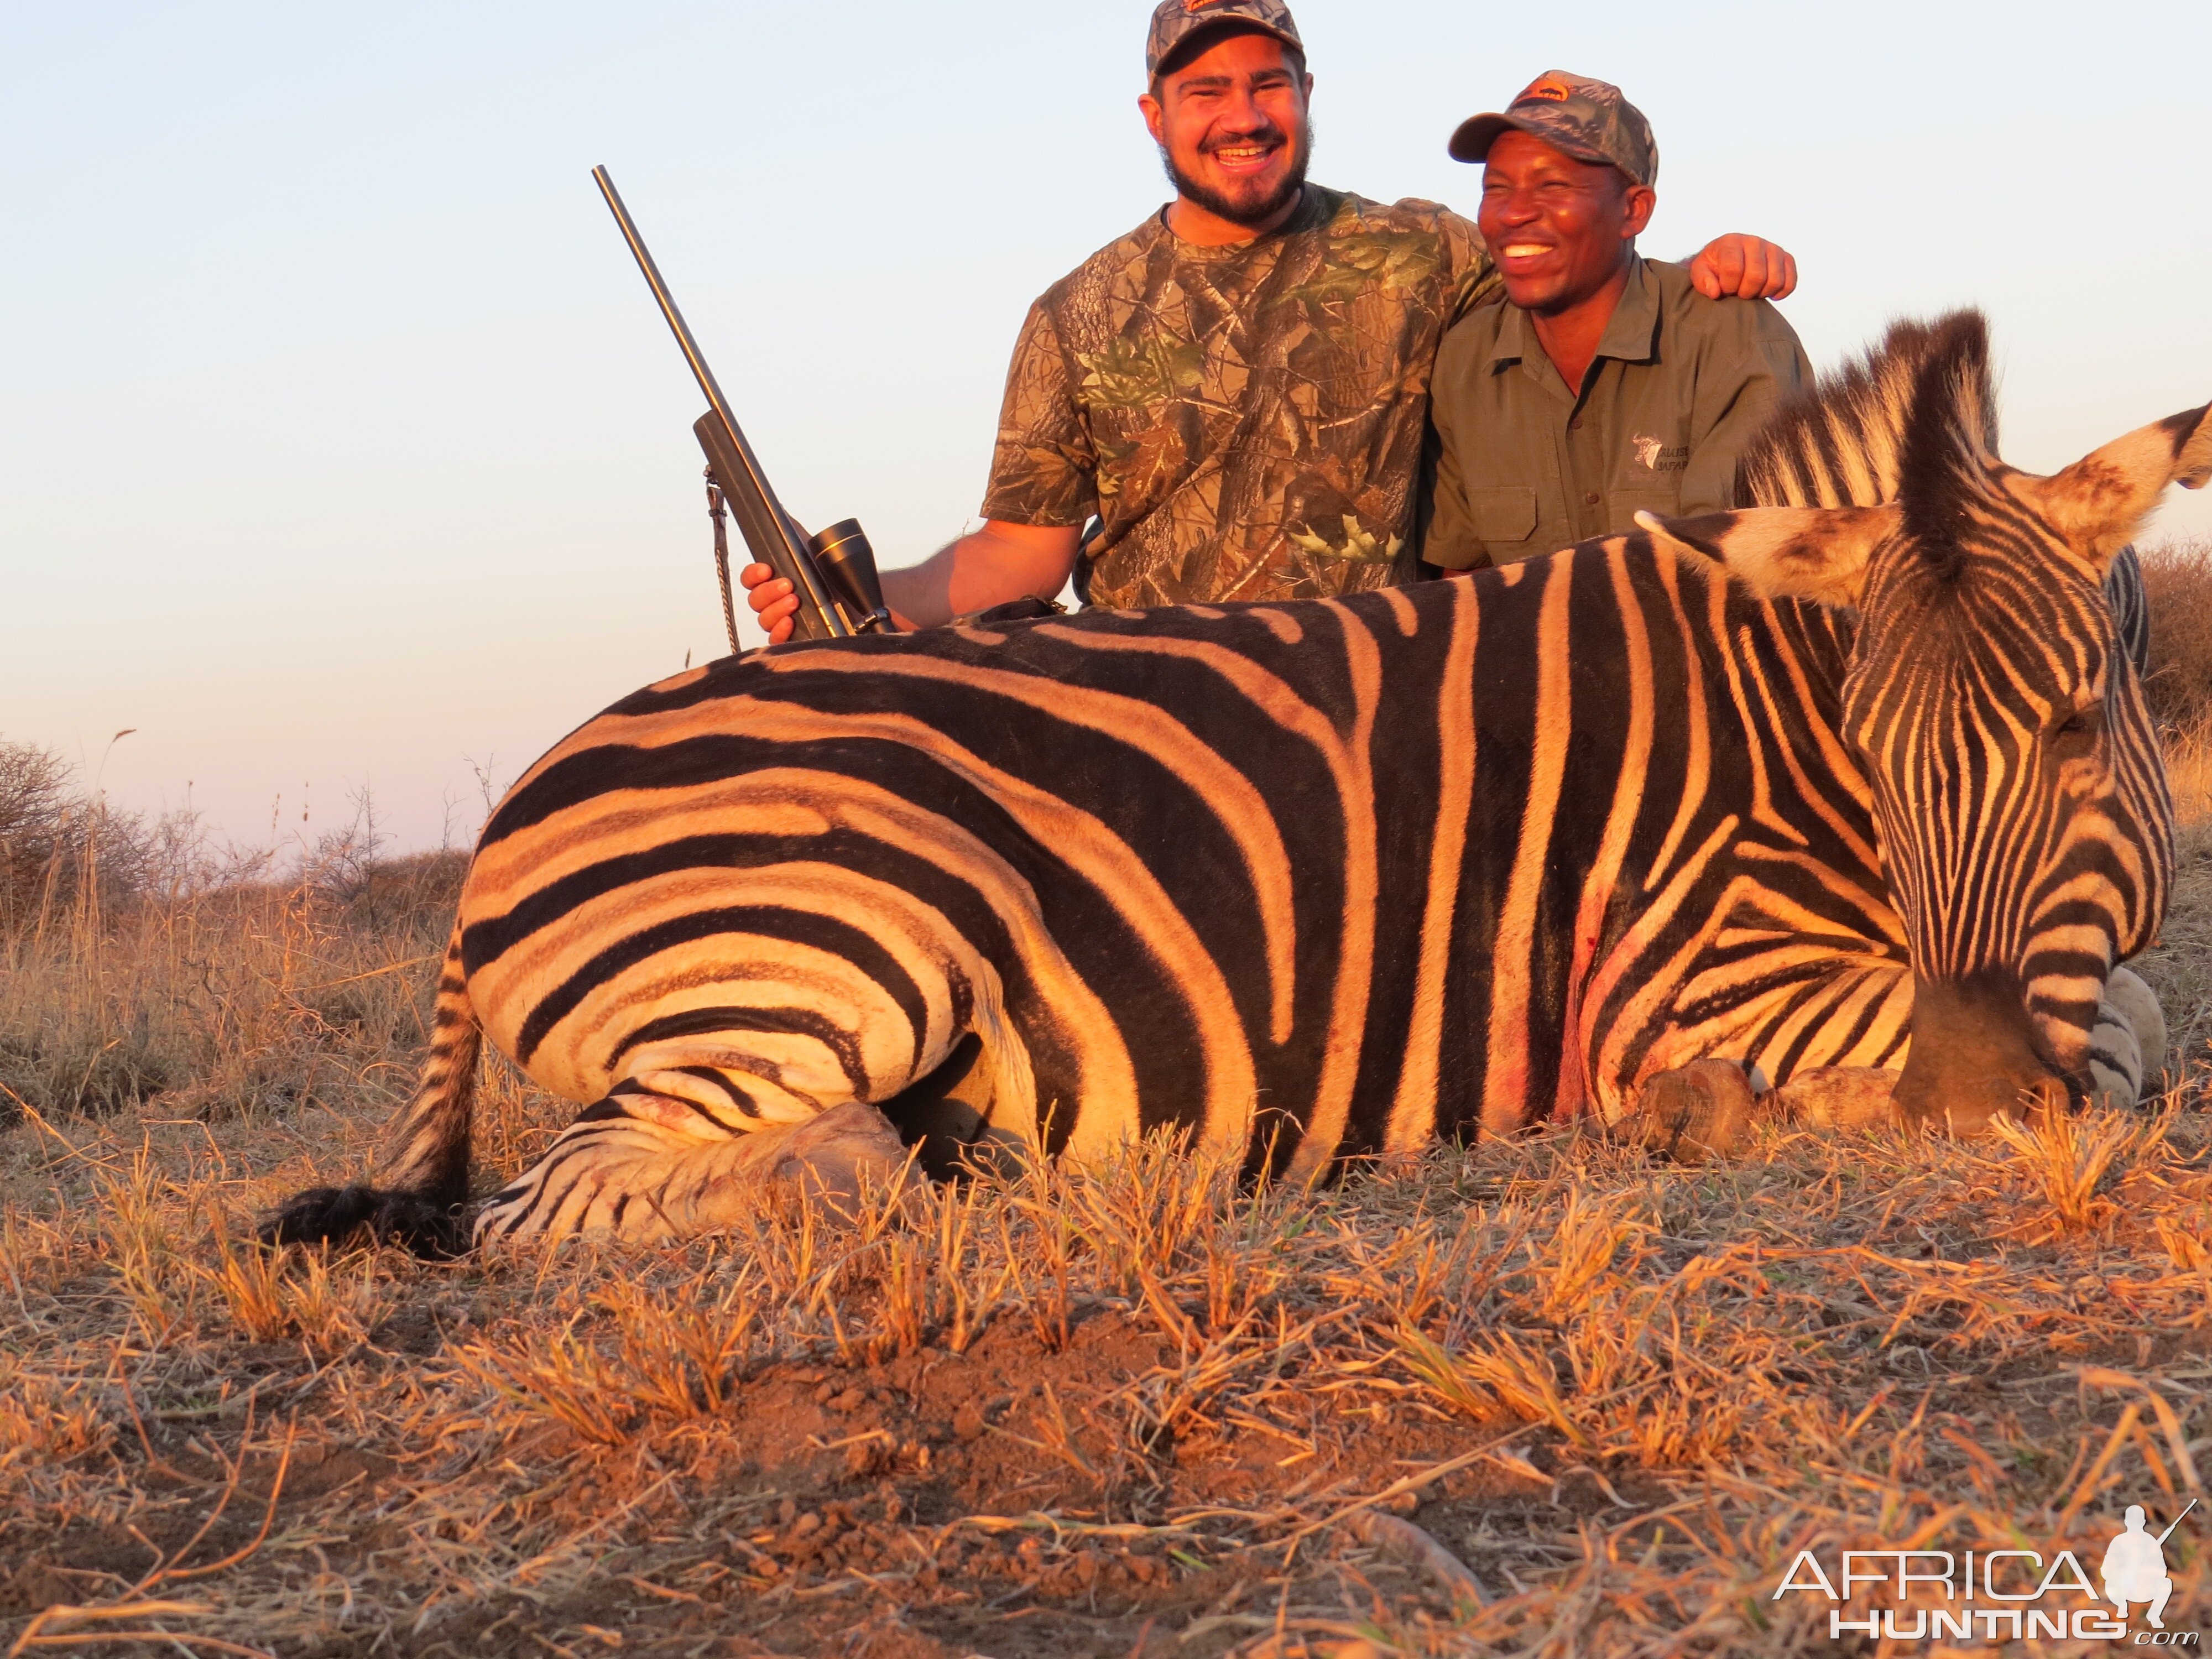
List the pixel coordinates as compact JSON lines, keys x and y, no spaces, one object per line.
{"x":1353,"y":890}
{"x":1311,"y":880}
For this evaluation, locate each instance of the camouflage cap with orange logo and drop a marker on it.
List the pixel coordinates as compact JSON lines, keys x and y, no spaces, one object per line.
{"x":1587,"y":119}
{"x":1175,"y":21}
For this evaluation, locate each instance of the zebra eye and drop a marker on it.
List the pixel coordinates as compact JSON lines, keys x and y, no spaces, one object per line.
{"x":2082,"y":728}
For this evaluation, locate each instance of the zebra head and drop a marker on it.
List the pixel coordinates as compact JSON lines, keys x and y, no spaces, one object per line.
{"x":2013,"y":771}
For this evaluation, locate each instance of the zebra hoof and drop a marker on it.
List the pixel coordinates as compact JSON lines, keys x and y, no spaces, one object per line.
{"x":1968,"y":1113}
{"x":1970,"y":1119}
{"x":836,"y":1158}
{"x":1699,"y":1111}
{"x":1838,"y":1097}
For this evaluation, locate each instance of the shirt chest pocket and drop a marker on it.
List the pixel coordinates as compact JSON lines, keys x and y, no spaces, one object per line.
{"x":1621,"y":507}
{"x":1647,"y":477}
{"x":1503,"y":514}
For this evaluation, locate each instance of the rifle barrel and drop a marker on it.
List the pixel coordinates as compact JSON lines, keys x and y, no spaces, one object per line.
{"x":818,"y":616}
{"x":2178,"y":1520}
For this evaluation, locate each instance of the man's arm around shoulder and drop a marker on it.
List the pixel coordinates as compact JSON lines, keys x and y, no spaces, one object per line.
{"x":994,"y":565}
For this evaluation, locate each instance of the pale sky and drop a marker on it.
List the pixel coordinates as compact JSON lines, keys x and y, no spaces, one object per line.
{"x":341,"y":447}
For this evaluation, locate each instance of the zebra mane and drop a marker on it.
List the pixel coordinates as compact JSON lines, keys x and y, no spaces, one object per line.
{"x":1950,"y":442}
{"x":1845,"y":443}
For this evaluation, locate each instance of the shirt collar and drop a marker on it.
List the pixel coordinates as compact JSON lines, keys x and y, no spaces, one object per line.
{"x":1632,"y":335}
{"x":1513,"y":342}
{"x":1317,"y":208}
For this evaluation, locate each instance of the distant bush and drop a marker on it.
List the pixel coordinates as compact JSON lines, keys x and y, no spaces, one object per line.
{"x":34,"y":812}
{"x":2178,"y":577}
{"x":414,"y":893}
{"x":61,"y":849}
{"x":65,"y":856}
{"x":144,"y":956}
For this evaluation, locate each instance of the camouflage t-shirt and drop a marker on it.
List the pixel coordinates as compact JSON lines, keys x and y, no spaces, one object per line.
{"x":1245,"y":422}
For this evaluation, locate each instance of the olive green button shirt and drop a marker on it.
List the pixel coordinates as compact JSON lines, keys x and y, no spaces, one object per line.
{"x":1521,"y":465}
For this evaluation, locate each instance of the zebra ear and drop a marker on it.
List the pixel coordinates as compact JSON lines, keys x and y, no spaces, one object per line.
{"x":1817,"y":553}
{"x":2100,"y":501}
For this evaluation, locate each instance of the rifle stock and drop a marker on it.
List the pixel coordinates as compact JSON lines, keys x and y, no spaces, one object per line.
{"x":834,"y":574}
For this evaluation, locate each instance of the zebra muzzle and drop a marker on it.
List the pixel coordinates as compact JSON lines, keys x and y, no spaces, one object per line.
{"x":1974,"y":1057}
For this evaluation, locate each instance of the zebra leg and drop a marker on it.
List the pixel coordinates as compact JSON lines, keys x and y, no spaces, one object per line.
{"x":2127,"y":1057}
{"x":1710,"y":1107}
{"x":948,"y":1116}
{"x":652,"y":1168}
{"x":2127,"y":1048}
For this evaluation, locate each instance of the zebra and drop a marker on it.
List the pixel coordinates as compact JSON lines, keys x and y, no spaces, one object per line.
{"x":1858,"y":775}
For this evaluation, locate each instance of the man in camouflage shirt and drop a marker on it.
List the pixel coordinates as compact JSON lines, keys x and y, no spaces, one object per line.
{"x":1237,"y":389}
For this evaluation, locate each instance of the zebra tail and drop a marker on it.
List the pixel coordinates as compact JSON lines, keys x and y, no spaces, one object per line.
{"x":421,"y":1176}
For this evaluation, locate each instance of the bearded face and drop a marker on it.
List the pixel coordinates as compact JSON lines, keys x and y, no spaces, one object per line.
{"x":1233,"y":128}
{"x":1246,"y":178}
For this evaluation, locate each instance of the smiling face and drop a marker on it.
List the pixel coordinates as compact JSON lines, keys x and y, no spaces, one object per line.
{"x":1231,"y":121}
{"x":1560,"y":229}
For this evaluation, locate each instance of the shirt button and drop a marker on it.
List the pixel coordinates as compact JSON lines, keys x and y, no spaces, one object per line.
{"x":1591,"y":499}
{"x":1574,"y":424}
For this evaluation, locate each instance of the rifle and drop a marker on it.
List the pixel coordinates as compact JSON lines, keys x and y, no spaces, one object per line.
{"x":833,"y":573}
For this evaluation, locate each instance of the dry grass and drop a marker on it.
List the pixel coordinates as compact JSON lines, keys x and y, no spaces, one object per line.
{"x":1622,"y":1394}
{"x":1136,"y":1413}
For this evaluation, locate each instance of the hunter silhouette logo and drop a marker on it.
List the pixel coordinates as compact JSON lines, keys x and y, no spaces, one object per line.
{"x":2134,"y":1567}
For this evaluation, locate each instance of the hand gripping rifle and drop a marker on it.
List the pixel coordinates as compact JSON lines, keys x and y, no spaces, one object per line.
{"x":833,"y":573}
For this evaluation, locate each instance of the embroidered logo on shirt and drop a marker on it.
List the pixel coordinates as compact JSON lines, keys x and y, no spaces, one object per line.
{"x":1653,"y":456}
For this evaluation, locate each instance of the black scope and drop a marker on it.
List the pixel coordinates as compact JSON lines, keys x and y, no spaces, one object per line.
{"x":847,"y":563}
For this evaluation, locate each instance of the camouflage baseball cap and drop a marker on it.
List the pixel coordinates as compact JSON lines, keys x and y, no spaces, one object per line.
{"x":1175,"y":21}
{"x":1587,"y":119}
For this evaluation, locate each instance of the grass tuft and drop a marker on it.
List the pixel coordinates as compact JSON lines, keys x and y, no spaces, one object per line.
{"x":2073,"y":1159}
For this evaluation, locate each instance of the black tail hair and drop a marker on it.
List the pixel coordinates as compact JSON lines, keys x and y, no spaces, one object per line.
{"x":423,"y":1176}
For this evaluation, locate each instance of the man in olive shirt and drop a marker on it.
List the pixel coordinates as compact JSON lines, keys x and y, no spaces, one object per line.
{"x":1236,"y":390}
{"x":1608,"y":385}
